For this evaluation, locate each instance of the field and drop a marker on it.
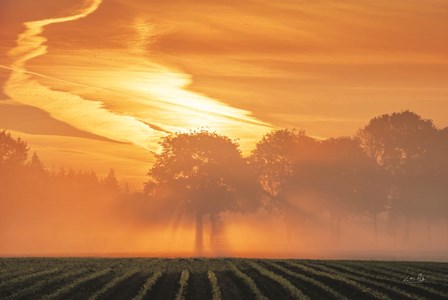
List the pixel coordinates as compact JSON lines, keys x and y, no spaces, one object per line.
{"x":197,"y":278}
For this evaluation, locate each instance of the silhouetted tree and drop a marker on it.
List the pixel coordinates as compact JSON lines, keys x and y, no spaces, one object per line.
{"x":399,"y":143}
{"x":274,"y":158}
{"x":336,"y":178}
{"x":393,"y":140}
{"x":13,"y":151}
{"x":110,"y":181}
{"x":13,"y":157}
{"x":203,"y":173}
{"x":356,"y":184}
{"x":35,"y":164}
{"x":425,"y":183}
{"x":441,"y":192}
{"x":333,"y":175}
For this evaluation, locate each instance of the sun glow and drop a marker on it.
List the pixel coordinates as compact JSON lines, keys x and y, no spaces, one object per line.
{"x":98,"y":84}
{"x":161,"y":90}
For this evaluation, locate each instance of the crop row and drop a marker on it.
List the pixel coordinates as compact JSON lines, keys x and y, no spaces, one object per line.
{"x":38,"y":287}
{"x":287,"y":285}
{"x":61,"y":292}
{"x":393,"y":278}
{"x":216,"y":293}
{"x":216,"y":279}
{"x":374,"y":282}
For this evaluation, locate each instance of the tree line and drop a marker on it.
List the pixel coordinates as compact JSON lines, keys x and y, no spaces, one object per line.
{"x":40,"y":203}
{"x":395,"y":167}
{"x":24,"y":175}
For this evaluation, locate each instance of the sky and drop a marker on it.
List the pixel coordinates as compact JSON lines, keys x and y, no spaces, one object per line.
{"x":95,"y":84}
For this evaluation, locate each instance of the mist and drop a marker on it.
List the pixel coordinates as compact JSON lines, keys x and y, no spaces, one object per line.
{"x":380,"y":194}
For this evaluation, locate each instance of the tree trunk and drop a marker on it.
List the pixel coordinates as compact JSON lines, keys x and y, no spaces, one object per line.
{"x":199,"y":235}
{"x":218,"y":241}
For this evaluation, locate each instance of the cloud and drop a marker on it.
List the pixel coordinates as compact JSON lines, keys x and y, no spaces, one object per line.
{"x":75,"y":110}
{"x":128,"y":78}
{"x":242,"y":67}
{"x":14,"y":116}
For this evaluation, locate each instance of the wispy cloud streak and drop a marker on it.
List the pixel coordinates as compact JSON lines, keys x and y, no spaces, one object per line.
{"x":167,"y":104}
{"x":82,"y":113}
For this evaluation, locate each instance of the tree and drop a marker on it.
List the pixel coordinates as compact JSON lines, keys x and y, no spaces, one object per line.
{"x":441,"y":192}
{"x":356,"y":184}
{"x":336,"y":178}
{"x":274,"y":158}
{"x":12,"y":151}
{"x":401,"y":143}
{"x":426,"y":182}
{"x":396,"y":139}
{"x":110,"y":181}
{"x":13,"y":157}
{"x":35,"y":164}
{"x":205,"y":174}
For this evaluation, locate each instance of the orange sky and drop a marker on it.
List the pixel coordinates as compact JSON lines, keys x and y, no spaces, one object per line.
{"x":95,"y":84}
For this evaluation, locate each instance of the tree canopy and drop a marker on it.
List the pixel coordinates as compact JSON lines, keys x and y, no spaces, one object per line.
{"x":13,"y":151}
{"x":205,"y":174}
